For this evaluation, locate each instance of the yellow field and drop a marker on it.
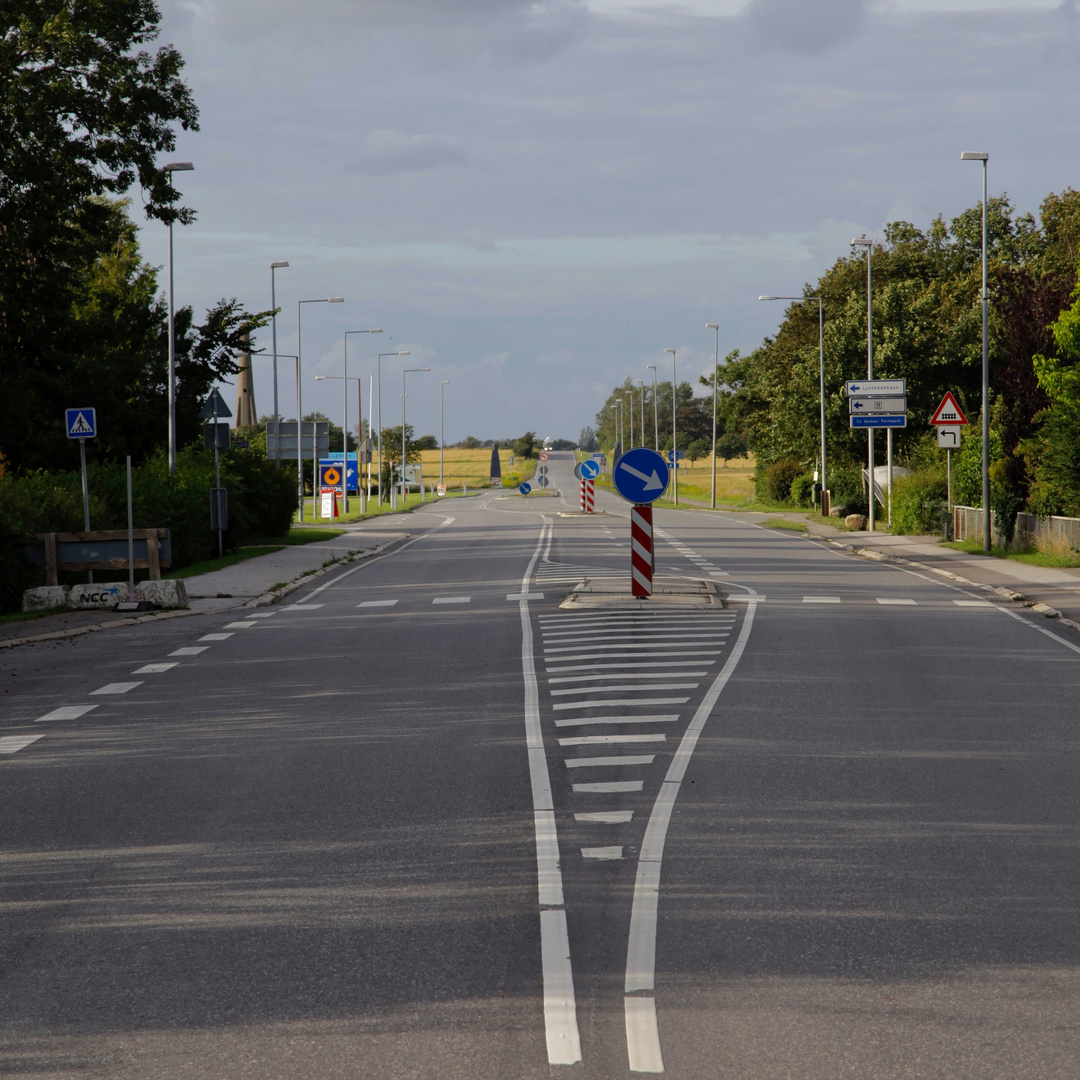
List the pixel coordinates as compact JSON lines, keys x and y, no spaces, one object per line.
{"x":472,"y":467}
{"x":733,"y":484}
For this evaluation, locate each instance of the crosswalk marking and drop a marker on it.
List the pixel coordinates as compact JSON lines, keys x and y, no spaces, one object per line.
{"x":189,"y":650}
{"x":607,"y":740}
{"x":585,"y":721}
{"x":155,"y":669}
{"x":602,"y":852}
{"x":215,"y":637}
{"x":12,"y":744}
{"x":612,"y":787}
{"x":605,"y":817}
{"x":621,"y":761}
{"x":66,"y":712}
{"x":115,"y":688}
{"x":622,"y":702}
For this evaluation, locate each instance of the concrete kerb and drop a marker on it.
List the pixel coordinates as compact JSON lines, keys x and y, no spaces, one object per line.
{"x":55,"y":635}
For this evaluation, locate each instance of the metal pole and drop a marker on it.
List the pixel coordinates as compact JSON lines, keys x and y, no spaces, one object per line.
{"x":217,"y":476}
{"x":359,"y":438}
{"x":642,"y":385}
{"x":404,"y":492}
{"x":85,"y":496}
{"x":378,"y":365}
{"x":172,"y":356}
{"x":869,"y":376}
{"x":948,"y":479}
{"x":716,"y":380}
{"x":370,"y":400}
{"x":987,"y":525}
{"x":674,"y":434}
{"x":273,"y":323}
{"x":442,"y":430}
{"x":631,"y":400}
{"x":131,"y":536}
{"x":345,"y":431}
{"x":300,"y":420}
{"x":655,"y":409}
{"x":821,"y":354}
{"x":888,"y":459}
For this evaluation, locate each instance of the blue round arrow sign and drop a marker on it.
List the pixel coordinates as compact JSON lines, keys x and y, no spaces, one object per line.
{"x":641,"y":475}
{"x":525,"y":488}
{"x":590,"y":469}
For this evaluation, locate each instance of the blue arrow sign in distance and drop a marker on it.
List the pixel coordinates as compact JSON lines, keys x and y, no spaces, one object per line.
{"x":675,"y":455}
{"x":525,"y":488}
{"x":590,"y":469}
{"x":641,"y":476}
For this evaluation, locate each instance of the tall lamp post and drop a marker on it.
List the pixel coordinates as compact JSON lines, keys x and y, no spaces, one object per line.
{"x":715,"y":382}
{"x":346,"y":380}
{"x":863,"y":242}
{"x":674,"y":440}
{"x":976,"y":155}
{"x":821,"y":362}
{"x":442,"y":430}
{"x":173,"y":166}
{"x":300,"y":412}
{"x":378,"y":391}
{"x":642,"y":385}
{"x":273,"y":325}
{"x":404,"y":439}
{"x":345,"y":425}
{"x":655,"y":407}
{"x":630,"y":399}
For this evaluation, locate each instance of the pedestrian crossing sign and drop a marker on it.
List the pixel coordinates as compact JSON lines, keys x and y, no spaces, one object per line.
{"x":80,"y":423}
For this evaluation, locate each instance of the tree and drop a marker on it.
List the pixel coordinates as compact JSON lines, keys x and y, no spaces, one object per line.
{"x":427,"y":442}
{"x":587,"y":440}
{"x":697,"y":449}
{"x":85,"y":112}
{"x":525,"y":447}
{"x":732,"y":444}
{"x":391,"y":452}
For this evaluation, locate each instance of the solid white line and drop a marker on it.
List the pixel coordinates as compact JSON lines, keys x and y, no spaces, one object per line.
{"x":189,"y":650}
{"x":155,"y":669}
{"x":626,"y":675}
{"x":608,"y":787}
{"x":377,"y":603}
{"x":623,"y":688}
{"x":606,"y":817}
{"x":12,"y":744}
{"x":597,"y":762}
{"x":821,"y":599}
{"x":239,"y":625}
{"x":602,"y":852}
{"x":66,"y":712}
{"x":643,"y":1039}
{"x":584,"y":721}
{"x":115,"y":688}
{"x":598,"y":667}
{"x":261,"y":615}
{"x":213,"y":637}
{"x":560,"y":1007}
{"x":452,"y":600}
{"x":620,"y":701}
{"x":643,"y":1035}
{"x":606,"y":740}
{"x":895,"y":603}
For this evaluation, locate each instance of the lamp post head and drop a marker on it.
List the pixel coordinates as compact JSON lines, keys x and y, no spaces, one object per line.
{"x":768,"y":297}
{"x":278,"y":265}
{"x":178,"y":166}
{"x":335,"y":299}
{"x":320,"y":378}
{"x":712,"y":326}
{"x":445,"y":382}
{"x":861,"y":241}
{"x":974,"y":155}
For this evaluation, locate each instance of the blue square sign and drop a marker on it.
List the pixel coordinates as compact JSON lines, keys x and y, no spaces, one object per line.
{"x":80,"y":423}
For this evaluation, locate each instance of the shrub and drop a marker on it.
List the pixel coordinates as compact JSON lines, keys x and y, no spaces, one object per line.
{"x":846,"y":487}
{"x":774,"y":482}
{"x":802,"y":490}
{"x":919,"y":502}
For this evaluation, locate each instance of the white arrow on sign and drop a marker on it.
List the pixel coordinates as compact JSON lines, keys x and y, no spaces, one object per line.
{"x":652,"y":483}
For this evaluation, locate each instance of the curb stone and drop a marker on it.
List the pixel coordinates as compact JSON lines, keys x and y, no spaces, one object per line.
{"x":55,"y":635}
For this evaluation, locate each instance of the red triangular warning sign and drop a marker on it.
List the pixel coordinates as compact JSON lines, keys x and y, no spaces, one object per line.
{"x":948,"y":412}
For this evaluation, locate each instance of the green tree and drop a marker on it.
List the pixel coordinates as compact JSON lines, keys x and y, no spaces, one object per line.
{"x":391,"y":452}
{"x":526,"y":446}
{"x":732,"y":444}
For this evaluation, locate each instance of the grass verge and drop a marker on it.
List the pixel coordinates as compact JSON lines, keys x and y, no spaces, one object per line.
{"x":26,"y":616}
{"x":783,"y":523}
{"x":1032,"y":558}
{"x":234,"y":557}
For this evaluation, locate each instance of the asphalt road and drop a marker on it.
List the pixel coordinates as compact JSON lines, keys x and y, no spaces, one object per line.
{"x":418,"y":822}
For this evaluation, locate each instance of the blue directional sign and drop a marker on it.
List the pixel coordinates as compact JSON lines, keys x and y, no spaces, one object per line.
{"x":525,"y":488}
{"x":879,"y":420}
{"x":333,"y":459}
{"x":641,"y":475}
{"x":675,"y":455}
{"x":590,"y":469}
{"x":81,"y":423}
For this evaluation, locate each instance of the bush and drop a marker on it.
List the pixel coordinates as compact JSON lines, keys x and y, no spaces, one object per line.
{"x":774,"y":482}
{"x":802,"y":490}
{"x":846,"y":487}
{"x":919,"y":502}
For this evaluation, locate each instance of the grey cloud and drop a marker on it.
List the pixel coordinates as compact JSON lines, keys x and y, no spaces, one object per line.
{"x":387,"y":153}
{"x":802,"y":27}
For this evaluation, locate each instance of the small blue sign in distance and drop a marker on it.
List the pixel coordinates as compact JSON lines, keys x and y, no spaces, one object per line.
{"x":878,"y":420}
{"x":525,"y":488}
{"x":675,"y":455}
{"x":641,"y":476}
{"x":590,"y":469}
{"x":81,"y":423}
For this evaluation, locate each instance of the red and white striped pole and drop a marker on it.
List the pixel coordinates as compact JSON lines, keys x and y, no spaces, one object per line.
{"x":583,"y":496}
{"x":590,"y":492}
{"x":641,"y":551}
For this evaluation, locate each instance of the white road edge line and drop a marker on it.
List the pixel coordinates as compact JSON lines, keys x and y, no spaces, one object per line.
{"x":560,"y":1005}
{"x":642,"y":1033}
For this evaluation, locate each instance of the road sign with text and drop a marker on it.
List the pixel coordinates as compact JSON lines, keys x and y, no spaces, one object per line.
{"x":876,"y":387}
{"x":877,"y":405}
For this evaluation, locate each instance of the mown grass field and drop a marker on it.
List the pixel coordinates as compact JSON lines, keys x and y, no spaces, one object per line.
{"x":472,"y":467}
{"x":734,"y":484}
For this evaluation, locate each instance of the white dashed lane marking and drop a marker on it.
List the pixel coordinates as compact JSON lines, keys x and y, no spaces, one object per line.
{"x":213,"y":637}
{"x":66,"y":712}
{"x":377,"y":603}
{"x":452,"y":600}
{"x":821,"y":599}
{"x":973,"y":603}
{"x":155,"y":669}
{"x":115,"y":688}
{"x":12,"y":744}
{"x":895,"y":602}
{"x":239,"y":625}
{"x":189,"y":650}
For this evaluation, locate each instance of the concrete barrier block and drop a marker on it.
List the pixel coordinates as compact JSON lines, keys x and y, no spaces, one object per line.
{"x":45,"y":597}
{"x":166,"y":594}
{"x":102,"y":596}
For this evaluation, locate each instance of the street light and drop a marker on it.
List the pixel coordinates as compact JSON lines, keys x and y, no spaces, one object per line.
{"x":300,"y":413}
{"x":442,"y":433}
{"x":631,"y":400}
{"x":378,"y":377}
{"x":674,"y":440}
{"x":655,"y":414}
{"x":345,"y":427}
{"x":821,"y":356}
{"x":863,"y":242}
{"x":173,"y":166}
{"x":976,"y":155}
{"x":642,"y":385}
{"x":715,"y":382}
{"x":273,"y":324}
{"x":404,"y":440}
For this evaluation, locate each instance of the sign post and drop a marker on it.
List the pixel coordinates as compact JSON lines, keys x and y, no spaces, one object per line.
{"x":214,"y":408}
{"x":590,"y":470}
{"x":878,"y":403}
{"x":81,"y":424}
{"x":948,"y":418}
{"x":641,"y":476}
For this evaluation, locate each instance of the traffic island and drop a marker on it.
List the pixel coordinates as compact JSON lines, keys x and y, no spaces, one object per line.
{"x":668,"y":592}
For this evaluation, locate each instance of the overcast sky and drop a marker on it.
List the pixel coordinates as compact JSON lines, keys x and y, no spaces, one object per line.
{"x":536,"y":199}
